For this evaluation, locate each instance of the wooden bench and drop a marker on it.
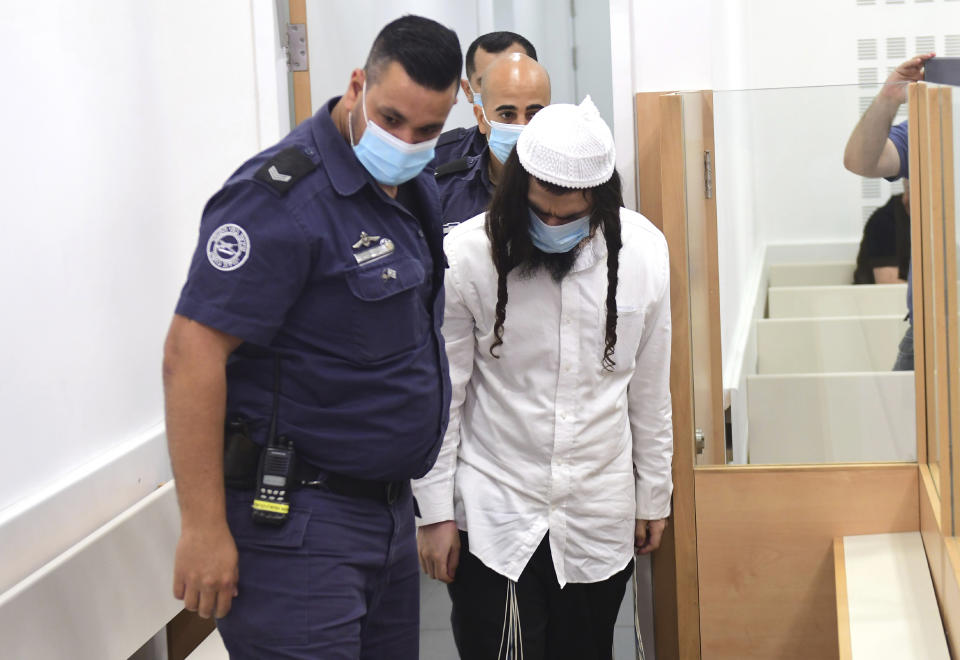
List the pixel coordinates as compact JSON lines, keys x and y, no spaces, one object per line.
{"x":831,"y":418}
{"x":886,"y":605}
{"x":852,"y":300}
{"x":812,"y":274}
{"x":820,"y":345}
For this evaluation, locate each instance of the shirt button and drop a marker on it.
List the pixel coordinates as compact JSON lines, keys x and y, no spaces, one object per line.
{"x":420,"y":233}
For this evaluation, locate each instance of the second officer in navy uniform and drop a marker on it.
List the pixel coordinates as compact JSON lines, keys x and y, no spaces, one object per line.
{"x":515,"y":88}
{"x":311,"y":318}
{"x":459,"y":142}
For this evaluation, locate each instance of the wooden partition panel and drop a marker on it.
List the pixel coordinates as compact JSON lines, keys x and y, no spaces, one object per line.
{"x":703,"y":267}
{"x":942,"y":557}
{"x":765,"y":539}
{"x":675,"y":564}
{"x":951,"y":293}
{"x":649,"y":199}
{"x":916,"y":258}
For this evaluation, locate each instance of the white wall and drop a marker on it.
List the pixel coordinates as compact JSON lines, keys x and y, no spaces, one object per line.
{"x":339,"y":42}
{"x":120,"y":120}
{"x":341,"y":33}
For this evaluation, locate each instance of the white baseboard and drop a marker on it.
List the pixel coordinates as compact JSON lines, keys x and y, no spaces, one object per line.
{"x":37,"y":529}
{"x":105,"y":596}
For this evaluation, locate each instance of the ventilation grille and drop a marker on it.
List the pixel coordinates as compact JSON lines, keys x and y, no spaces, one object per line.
{"x":897,"y":47}
{"x":896,"y":187}
{"x":870,"y":188}
{"x":925,"y":44}
{"x":952,"y":45}
{"x":865,"y":102}
{"x":866,"y":49}
{"x":866,"y":2}
{"x":867,"y":76}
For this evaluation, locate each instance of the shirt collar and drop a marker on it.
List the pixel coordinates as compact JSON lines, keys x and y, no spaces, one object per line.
{"x":341,"y":165}
{"x":592,"y":253}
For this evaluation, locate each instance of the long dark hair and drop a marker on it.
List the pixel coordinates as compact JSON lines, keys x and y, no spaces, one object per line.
{"x":507,"y":227}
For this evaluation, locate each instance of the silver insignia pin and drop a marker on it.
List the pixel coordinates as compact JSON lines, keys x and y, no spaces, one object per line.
{"x":388,"y":274}
{"x":365,"y":240}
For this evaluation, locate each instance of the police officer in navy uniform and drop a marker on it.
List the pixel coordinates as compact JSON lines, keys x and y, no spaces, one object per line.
{"x":515,"y":88}
{"x":460,"y":142}
{"x":314,"y":303}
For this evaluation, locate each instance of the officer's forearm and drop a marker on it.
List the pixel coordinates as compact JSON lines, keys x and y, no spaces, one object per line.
{"x":195,"y":396}
{"x":866,"y":143}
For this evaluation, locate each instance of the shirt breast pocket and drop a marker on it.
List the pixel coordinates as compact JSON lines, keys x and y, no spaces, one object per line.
{"x":387,"y":314}
{"x":629,"y":333}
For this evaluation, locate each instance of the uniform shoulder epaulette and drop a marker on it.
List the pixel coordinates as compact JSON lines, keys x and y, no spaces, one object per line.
{"x":453,"y":135}
{"x":284,"y":170}
{"x":454,"y":166}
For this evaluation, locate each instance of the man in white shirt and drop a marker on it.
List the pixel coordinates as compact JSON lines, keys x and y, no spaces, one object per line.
{"x":555,"y":468}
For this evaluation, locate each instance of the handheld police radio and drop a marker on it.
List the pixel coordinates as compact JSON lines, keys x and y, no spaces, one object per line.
{"x":271,"y":498}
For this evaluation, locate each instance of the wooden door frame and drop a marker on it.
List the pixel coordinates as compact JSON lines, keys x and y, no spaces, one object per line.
{"x":302,"y":104}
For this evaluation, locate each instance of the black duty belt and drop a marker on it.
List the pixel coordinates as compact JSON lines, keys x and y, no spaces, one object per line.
{"x":242,"y":456}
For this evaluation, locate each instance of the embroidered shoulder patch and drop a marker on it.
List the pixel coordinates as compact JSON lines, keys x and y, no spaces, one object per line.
{"x":228,"y":247}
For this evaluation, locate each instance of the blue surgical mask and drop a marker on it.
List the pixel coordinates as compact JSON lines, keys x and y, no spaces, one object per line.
{"x":390,"y":160}
{"x":477,"y":100}
{"x":502,"y":137}
{"x":561,"y":238}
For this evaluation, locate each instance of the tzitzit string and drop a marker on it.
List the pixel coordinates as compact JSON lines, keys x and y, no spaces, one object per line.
{"x":511,"y":638}
{"x":636,"y":615}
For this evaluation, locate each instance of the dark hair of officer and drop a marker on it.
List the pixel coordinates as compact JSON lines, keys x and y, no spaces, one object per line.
{"x":507,"y":224}
{"x":427,"y":51}
{"x":496,"y":42}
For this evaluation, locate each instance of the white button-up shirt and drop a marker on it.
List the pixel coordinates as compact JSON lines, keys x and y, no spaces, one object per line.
{"x":544,"y":438}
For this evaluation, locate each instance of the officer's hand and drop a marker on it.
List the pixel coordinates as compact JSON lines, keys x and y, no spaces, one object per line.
{"x":909,"y":71}
{"x":205,"y":570}
{"x":439,"y":548}
{"x":647,"y":535}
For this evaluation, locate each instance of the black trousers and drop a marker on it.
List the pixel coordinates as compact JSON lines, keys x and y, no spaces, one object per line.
{"x":574,"y":623}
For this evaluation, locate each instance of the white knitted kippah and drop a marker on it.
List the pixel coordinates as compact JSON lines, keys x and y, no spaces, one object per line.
{"x":568,"y":145}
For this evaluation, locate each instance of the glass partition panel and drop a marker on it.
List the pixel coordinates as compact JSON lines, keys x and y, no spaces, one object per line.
{"x":812,"y":265}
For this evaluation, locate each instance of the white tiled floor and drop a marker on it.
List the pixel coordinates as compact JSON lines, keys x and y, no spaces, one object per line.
{"x":436,"y":638}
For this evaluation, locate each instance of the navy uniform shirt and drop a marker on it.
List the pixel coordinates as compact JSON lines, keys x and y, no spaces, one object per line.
{"x":465,"y":189}
{"x":458,"y":143}
{"x":303,"y":255}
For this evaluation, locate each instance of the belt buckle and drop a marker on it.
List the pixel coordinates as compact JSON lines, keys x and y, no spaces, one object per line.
{"x":393,"y":492}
